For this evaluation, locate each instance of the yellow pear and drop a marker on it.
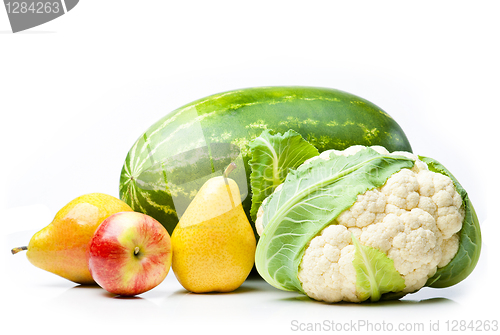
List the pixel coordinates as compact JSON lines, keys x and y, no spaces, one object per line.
{"x":61,"y":247}
{"x":213,"y":243}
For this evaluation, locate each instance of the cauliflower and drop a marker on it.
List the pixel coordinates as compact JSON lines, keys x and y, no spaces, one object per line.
{"x":414,"y":219}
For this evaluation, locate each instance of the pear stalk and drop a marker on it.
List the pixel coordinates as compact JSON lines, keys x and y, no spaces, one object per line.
{"x":228,"y":170}
{"x":16,"y":250}
{"x":226,"y":173}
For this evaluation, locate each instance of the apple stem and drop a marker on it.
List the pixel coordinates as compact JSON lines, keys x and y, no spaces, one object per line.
{"x":16,"y":250}
{"x":228,"y":170}
{"x":136,"y":250}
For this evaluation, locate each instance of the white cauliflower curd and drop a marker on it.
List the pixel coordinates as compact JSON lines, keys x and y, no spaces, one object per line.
{"x":414,"y":219}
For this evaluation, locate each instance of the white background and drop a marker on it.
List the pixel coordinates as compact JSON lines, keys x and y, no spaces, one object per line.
{"x":76,"y":93}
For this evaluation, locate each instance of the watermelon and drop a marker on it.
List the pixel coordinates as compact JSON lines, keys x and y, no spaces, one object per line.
{"x":169,"y":162}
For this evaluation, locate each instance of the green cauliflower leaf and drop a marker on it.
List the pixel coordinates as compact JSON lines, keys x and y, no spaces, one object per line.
{"x":375,"y":273}
{"x":272,"y":157}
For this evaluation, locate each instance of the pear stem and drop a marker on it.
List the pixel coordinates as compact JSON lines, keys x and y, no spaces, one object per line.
{"x":16,"y":250}
{"x":228,"y":170}
{"x":136,"y":250}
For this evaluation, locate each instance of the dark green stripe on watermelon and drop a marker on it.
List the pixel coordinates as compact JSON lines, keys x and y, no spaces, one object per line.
{"x":327,"y":118}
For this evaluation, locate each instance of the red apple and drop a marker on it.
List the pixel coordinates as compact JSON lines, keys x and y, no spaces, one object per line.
{"x":130,"y":253}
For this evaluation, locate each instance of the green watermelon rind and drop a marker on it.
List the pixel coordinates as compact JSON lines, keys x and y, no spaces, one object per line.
{"x":327,"y":118}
